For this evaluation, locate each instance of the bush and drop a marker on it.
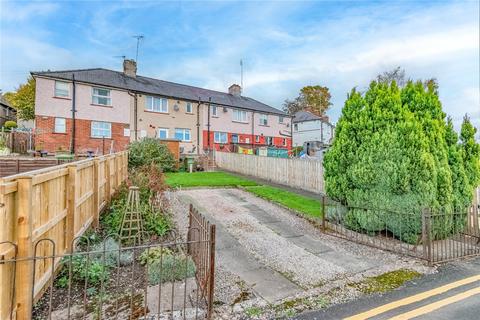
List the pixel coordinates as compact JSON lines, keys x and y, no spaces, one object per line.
{"x":113,"y":255}
{"x":148,"y":151}
{"x":82,"y":269}
{"x":153,"y":255}
{"x":395,"y":154}
{"x":9,"y":125}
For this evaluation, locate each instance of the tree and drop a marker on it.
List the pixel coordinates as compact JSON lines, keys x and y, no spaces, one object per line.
{"x":470,"y":153}
{"x":315,"y":99}
{"x":23,"y":99}
{"x":395,"y":154}
{"x":397,"y":75}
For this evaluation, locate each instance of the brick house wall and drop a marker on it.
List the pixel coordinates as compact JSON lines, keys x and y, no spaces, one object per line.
{"x":48,"y":140}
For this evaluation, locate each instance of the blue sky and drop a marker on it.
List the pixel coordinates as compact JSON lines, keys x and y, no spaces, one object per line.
{"x":284,"y":45}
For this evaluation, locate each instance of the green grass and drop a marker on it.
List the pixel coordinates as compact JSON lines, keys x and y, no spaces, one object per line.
{"x":302,"y":204}
{"x":387,"y":281}
{"x":206,"y":179}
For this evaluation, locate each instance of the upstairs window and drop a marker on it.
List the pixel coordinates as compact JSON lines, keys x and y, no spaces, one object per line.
{"x":189,"y":107}
{"x":220,"y":137}
{"x":263,"y":119}
{"x":239,"y":115}
{"x":280,"y":119}
{"x":101,"y":96}
{"x":60,"y":126}
{"x":101,"y":129}
{"x":295,"y":127}
{"x":183,"y":134}
{"x":213,"y":111}
{"x":156,"y":104}
{"x":62,"y":89}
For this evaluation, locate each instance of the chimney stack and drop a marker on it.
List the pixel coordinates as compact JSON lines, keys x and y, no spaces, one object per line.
{"x":235,"y":90}
{"x":130,"y":67}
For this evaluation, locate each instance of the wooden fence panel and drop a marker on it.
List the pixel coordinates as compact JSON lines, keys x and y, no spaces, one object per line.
{"x":298,"y":173}
{"x":42,"y":207}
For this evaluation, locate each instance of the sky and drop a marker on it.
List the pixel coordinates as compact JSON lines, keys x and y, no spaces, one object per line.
{"x":284,"y":45}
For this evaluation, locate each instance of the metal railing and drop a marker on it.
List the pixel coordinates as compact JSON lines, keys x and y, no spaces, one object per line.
{"x":434,"y":236}
{"x":104,"y":280}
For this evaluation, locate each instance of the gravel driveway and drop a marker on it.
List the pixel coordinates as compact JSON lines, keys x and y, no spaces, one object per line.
{"x":275,"y":254}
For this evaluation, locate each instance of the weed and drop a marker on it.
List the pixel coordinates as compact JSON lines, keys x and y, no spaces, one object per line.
{"x":171,"y":268}
{"x":253,"y":311}
{"x":385,"y":282}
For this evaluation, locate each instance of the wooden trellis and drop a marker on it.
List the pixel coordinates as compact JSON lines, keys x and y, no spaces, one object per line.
{"x":132,"y":227}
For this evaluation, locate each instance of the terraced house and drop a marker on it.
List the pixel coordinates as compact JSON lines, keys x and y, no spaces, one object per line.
{"x":98,"y":110}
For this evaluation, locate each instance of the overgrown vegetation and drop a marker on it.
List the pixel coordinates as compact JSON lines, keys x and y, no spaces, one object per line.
{"x":394,"y":150}
{"x":149,"y":151}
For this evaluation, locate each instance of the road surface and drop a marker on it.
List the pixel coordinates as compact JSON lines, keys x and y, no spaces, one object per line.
{"x":452,"y":293}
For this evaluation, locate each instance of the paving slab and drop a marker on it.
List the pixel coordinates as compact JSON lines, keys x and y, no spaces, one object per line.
{"x":283,"y":229}
{"x":260,"y":214}
{"x":310,"y":244}
{"x":347,"y":261}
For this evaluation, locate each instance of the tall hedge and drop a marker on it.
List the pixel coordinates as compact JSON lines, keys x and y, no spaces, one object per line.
{"x":150,"y":150}
{"x":395,"y":154}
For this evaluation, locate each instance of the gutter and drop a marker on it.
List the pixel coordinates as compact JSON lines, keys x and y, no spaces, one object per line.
{"x":72,"y":146}
{"x":135,"y":113}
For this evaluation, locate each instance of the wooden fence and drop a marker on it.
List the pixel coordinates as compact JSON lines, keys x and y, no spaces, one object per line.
{"x":297,"y":173}
{"x":10,"y":166}
{"x":57,"y":203}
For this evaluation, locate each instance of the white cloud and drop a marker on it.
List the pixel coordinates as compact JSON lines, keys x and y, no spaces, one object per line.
{"x":21,"y":11}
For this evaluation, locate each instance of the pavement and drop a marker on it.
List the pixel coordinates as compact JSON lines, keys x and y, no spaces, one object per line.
{"x":451,"y":293}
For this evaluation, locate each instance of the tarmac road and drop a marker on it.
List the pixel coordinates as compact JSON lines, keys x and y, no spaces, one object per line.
{"x":451,"y":293}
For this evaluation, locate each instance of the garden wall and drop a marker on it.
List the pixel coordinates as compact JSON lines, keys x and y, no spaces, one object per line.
{"x":46,"y":206}
{"x":304,"y":174}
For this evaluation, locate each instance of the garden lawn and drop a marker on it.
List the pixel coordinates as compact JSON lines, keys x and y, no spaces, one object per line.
{"x":302,"y":204}
{"x":206,"y":179}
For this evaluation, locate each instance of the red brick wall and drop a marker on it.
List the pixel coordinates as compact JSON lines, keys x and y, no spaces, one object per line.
{"x":47,"y":139}
{"x":277,"y":141}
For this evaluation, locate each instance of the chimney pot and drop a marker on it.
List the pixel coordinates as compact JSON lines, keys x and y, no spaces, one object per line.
{"x":235,"y":90}
{"x":130,"y":67}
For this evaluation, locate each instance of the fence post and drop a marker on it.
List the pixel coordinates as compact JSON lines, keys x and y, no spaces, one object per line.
{"x":324,"y":214}
{"x":71,"y":206}
{"x":24,"y":269}
{"x":107,"y":180}
{"x":427,"y":236}
{"x":211,"y":283}
{"x":96,"y":206}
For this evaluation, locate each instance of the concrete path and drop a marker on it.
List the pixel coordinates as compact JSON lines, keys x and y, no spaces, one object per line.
{"x":452,"y":293}
{"x":264,"y":246}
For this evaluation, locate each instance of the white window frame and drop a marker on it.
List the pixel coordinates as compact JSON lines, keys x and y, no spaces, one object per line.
{"x":107,"y":128}
{"x":184,"y":134}
{"x":239,"y":116}
{"x":58,"y":91}
{"x":220,"y":137}
{"x":263,"y":119}
{"x":57,"y":126}
{"x":214,"y":110}
{"x":267,"y":141}
{"x":162,"y":130}
{"x":189,"y":104}
{"x":151,"y":105}
{"x":257,"y":138}
{"x":96,"y":95}
{"x":280,"y":119}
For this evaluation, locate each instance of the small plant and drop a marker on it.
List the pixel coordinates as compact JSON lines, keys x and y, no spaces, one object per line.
{"x":171,"y":268}
{"x":153,"y":255}
{"x":9,"y":125}
{"x":82,"y":269}
{"x":253,"y":312}
{"x":114,"y":255}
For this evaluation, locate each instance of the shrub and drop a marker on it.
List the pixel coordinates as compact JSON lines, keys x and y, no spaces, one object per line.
{"x":148,"y":151}
{"x":113,"y":255}
{"x":394,"y":152}
{"x":9,"y":125}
